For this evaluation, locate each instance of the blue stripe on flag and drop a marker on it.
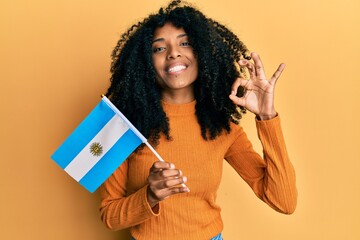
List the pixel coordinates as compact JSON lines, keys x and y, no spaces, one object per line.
{"x":111,"y":161}
{"x":83,"y":134}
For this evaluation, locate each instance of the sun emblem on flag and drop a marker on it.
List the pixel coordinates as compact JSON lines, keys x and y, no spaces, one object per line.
{"x":96,"y":149}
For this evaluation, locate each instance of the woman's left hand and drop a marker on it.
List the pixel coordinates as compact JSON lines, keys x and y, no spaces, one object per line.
{"x":258,"y":97}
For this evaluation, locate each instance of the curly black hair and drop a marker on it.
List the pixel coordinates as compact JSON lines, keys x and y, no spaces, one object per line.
{"x":134,"y":91}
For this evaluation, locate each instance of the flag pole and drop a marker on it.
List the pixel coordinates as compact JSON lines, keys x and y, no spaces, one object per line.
{"x":153,"y":150}
{"x":143,"y":139}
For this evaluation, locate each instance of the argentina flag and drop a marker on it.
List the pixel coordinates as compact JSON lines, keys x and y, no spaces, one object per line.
{"x":98,"y":146}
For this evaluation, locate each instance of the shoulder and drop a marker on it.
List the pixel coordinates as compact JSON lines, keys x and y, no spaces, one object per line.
{"x":236,"y":132}
{"x":236,"y":129}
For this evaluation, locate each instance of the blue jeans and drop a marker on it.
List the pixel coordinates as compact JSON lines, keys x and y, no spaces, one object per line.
{"x":218,"y":237}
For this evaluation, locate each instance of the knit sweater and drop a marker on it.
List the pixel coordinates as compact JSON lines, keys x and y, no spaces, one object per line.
{"x":196,"y":215}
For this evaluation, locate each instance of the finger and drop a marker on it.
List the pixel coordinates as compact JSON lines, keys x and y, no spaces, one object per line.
{"x":175,"y":190}
{"x":237,"y":83}
{"x":277,"y":73}
{"x":259,"y":68}
{"x":159,"y":165}
{"x":165,"y":193}
{"x":250,"y":66}
{"x":236,"y":100}
{"x":172,"y":182}
{"x":164,"y":189}
{"x":235,"y":86}
{"x":163,"y":175}
{"x":170,"y":173}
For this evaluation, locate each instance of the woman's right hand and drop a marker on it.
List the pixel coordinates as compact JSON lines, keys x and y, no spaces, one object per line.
{"x":164,"y":180}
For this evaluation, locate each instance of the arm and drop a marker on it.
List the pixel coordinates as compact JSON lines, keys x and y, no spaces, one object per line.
{"x":119,"y":210}
{"x":272,"y":178}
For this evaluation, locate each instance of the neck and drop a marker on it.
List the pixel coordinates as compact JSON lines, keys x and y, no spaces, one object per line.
{"x":178,"y":97}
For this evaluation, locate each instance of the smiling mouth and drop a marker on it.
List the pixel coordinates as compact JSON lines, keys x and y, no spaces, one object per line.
{"x":176,"y":69}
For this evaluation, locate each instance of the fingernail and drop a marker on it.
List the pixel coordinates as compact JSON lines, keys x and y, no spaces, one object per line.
{"x":186,"y":189}
{"x":184,"y":179}
{"x":172,"y":166}
{"x":243,"y":62}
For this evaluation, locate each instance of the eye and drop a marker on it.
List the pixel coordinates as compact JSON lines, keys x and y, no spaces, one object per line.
{"x":185,"y":44}
{"x":158,"y":49}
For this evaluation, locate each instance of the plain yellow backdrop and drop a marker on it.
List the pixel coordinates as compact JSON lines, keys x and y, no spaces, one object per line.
{"x":54,"y":64}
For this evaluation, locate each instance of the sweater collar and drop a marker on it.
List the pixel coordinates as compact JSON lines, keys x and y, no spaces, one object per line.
{"x":172,"y":109}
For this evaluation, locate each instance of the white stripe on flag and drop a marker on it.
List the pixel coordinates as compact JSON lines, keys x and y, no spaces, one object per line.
{"x":107,"y":137}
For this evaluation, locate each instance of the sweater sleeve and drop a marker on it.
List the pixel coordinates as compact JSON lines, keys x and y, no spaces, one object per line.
{"x":272,"y":178}
{"x":119,"y":211}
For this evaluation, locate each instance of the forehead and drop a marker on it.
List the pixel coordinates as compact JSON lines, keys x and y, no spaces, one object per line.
{"x":168,"y":31}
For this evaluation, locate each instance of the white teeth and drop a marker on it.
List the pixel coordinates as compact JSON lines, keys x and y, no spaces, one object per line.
{"x":176,"y":68}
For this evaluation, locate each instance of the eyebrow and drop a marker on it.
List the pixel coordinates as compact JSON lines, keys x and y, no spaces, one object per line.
{"x":163,"y":39}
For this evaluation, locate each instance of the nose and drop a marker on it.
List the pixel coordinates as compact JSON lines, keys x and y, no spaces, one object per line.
{"x":173,"y":53}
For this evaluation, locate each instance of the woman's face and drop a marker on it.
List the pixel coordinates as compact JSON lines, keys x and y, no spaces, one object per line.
{"x":174,"y":60}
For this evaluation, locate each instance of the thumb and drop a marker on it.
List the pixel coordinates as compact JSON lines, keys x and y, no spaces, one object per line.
{"x":236,"y":100}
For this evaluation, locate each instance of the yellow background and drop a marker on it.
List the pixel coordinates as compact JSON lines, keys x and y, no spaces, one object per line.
{"x":54,"y":64}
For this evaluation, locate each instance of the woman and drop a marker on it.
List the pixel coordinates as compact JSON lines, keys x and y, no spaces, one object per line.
{"x":175,"y":76}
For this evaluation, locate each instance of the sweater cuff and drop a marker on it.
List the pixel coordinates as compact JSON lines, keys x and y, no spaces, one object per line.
{"x":264,"y":123}
{"x":143,"y":193}
{"x":269,"y":130}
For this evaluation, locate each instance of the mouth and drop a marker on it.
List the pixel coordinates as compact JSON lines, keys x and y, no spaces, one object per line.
{"x":176,"y":69}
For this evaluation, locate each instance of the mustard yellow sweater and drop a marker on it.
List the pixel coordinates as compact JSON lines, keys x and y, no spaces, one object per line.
{"x":195,"y":215}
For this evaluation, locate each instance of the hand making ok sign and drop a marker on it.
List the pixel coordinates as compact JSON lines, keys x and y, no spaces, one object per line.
{"x":258,"y":95}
